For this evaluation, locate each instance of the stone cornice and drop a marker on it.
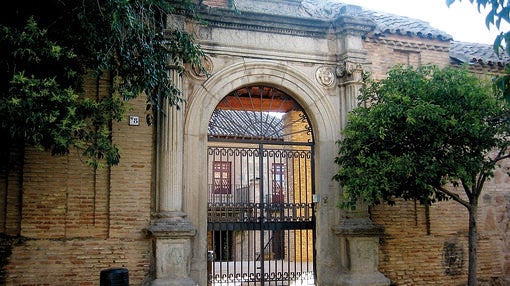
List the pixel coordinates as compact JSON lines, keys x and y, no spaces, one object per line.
{"x":350,"y":22}
{"x":358,"y":227}
{"x":289,"y":25}
{"x":485,"y":69}
{"x":230,"y":19}
{"x":171,"y":229}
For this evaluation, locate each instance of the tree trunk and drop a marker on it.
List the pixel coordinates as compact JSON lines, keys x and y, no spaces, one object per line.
{"x":473,"y":243}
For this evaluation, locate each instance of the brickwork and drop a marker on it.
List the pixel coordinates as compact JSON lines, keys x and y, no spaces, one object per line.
{"x":76,"y":222}
{"x":413,"y":246}
{"x":10,"y":191}
{"x":394,"y":50}
{"x":76,"y":261}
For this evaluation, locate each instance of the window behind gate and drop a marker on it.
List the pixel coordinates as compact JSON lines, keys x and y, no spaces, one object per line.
{"x":222,"y":172}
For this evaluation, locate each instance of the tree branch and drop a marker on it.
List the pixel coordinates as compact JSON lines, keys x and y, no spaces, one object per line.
{"x":452,"y":195}
{"x":501,"y":158}
{"x":469,"y":191}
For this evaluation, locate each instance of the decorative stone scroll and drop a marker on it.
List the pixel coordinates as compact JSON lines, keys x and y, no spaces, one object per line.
{"x":325,"y":76}
{"x":350,"y":78}
{"x":207,"y":70}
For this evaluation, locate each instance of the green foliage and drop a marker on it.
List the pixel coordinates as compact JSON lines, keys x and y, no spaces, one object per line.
{"x":416,"y":132}
{"x":48,"y":47}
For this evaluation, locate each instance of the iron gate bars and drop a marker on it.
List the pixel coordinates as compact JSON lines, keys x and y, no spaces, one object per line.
{"x":260,"y":213}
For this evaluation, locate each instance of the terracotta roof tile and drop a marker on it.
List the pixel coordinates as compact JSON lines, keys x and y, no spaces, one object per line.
{"x":462,"y":52}
{"x":387,"y":23}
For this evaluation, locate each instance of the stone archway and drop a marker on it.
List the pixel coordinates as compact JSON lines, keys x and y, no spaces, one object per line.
{"x":261,"y":218}
{"x":325,"y":122}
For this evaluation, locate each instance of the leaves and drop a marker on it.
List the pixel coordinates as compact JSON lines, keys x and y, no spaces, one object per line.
{"x":47,"y":52}
{"x":417,"y":131}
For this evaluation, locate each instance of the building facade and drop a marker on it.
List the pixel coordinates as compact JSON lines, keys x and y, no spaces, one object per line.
{"x":169,"y":211}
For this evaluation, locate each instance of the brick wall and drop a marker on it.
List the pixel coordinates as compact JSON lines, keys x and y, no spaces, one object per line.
{"x":390,"y":51}
{"x":76,"y":222}
{"x":416,"y":239}
{"x":76,"y":261}
{"x":10,"y":189}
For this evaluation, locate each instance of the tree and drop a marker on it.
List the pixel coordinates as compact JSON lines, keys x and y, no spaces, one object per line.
{"x":47,"y":47}
{"x":424,"y":134}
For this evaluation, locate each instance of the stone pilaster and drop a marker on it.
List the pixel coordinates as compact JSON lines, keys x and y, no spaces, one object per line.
{"x":350,"y":74}
{"x":358,"y":235}
{"x":171,"y":232}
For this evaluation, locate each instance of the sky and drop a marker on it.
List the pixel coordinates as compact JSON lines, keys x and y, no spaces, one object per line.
{"x":461,"y":20}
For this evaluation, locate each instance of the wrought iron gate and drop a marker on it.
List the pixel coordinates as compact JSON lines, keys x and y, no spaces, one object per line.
{"x":260,"y":213}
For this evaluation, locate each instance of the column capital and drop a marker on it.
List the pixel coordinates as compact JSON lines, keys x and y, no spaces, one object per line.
{"x":350,"y":71}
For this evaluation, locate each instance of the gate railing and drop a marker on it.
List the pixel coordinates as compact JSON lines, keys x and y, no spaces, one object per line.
{"x":261,"y":218}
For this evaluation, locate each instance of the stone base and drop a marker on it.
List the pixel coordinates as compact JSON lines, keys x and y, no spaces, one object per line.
{"x":359,"y":244}
{"x":364,"y":279}
{"x":172,"y":239}
{"x":173,"y":282}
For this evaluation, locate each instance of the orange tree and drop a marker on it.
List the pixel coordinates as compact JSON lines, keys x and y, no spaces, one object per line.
{"x":424,"y":134}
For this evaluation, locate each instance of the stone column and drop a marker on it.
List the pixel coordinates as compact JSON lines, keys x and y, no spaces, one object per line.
{"x":171,"y":231}
{"x":358,"y":235}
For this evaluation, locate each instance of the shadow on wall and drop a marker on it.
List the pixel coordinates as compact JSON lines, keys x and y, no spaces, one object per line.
{"x":6,"y":243}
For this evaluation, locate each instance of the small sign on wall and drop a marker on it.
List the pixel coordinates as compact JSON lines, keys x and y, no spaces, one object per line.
{"x":134,"y":120}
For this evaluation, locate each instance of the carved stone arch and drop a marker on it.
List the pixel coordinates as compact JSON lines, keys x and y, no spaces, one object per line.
{"x":301,"y":87}
{"x":201,"y":104}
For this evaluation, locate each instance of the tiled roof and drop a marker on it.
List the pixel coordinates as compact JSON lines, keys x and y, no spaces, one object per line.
{"x":245,"y":124}
{"x":400,"y":25}
{"x":331,"y":9}
{"x":471,"y":53}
